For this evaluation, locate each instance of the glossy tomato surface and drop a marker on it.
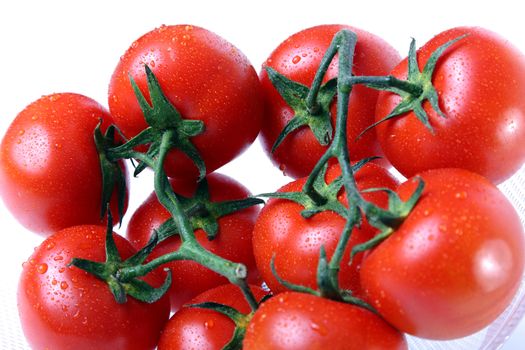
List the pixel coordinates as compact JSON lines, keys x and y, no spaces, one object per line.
{"x":295,"y":242}
{"x":63,"y":307}
{"x":299,"y":321}
{"x":480,"y":82}
{"x":454,"y":264}
{"x":50,"y":175}
{"x":233,"y":242}
{"x":206,"y":78}
{"x":298,"y":58}
{"x":201,"y":329}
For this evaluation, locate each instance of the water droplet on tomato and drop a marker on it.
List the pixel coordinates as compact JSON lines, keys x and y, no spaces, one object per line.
{"x":134,"y":44}
{"x":41,"y":268}
{"x":54,"y":282}
{"x":21,"y":132}
{"x":282,"y":168}
{"x":58,"y":258}
{"x":296,"y":59}
{"x":35,"y":117}
{"x":50,"y":245}
{"x":64,"y":285}
{"x":209,"y":324}
{"x":152,"y":64}
{"x":461,"y":195}
{"x":61,"y":270}
{"x":318,"y":328}
{"x":188,"y":28}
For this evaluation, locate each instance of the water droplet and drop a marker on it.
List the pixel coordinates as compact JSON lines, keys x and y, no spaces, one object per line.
{"x":296,"y":59}
{"x":209,"y":324}
{"x":21,"y":132}
{"x":50,"y":245}
{"x":54,"y":282}
{"x":282,"y":168}
{"x":186,"y":37}
{"x":35,"y":117}
{"x":41,"y":268}
{"x":318,"y":328}
{"x":461,"y":195}
{"x":134,"y":44}
{"x":188,"y":28}
{"x":152,"y":64}
{"x":64,"y":285}
{"x":54,"y":98}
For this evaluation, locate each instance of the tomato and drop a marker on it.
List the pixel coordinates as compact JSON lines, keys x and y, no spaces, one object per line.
{"x":195,"y":328}
{"x":454,"y":264}
{"x":205,"y":78}
{"x":49,"y":164}
{"x":298,"y":58}
{"x":479,"y":80}
{"x":280,"y":230}
{"x":64,"y":307}
{"x":233,"y":242}
{"x":294,"y":320}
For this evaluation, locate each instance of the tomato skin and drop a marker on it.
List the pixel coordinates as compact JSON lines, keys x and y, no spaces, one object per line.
{"x":49,"y":164}
{"x":479,"y":80}
{"x":233,"y":242}
{"x":298,"y":58}
{"x":280,"y":230}
{"x":294,"y":320}
{"x":65,"y":307}
{"x":206,"y":78}
{"x":454,"y":264}
{"x":194,"y":328}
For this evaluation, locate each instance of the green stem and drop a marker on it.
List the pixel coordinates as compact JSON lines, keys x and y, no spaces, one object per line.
{"x":190,"y":248}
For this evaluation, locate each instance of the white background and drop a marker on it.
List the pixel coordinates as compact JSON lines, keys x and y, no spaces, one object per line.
{"x":69,"y":46}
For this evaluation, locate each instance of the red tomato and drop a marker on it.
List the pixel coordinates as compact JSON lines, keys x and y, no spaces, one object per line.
{"x":195,"y":328}
{"x":280,"y":230}
{"x":480,"y":80}
{"x":233,"y":242}
{"x":50,"y":175}
{"x":65,"y":307}
{"x":298,"y":58}
{"x":302,"y":321}
{"x":206,"y":78}
{"x":454,"y":264}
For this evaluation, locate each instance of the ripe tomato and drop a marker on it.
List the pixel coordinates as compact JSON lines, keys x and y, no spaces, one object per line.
{"x":233,"y":242}
{"x":454,"y":264}
{"x":479,"y":80}
{"x":206,"y":78}
{"x":49,"y":164}
{"x":195,"y":328}
{"x":298,"y":58}
{"x":302,"y":321}
{"x":280,"y":230}
{"x":64,"y":307}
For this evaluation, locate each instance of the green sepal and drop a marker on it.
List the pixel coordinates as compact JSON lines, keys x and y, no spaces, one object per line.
{"x":203,"y":213}
{"x":318,"y":119}
{"x":108,"y":271}
{"x":388,"y":221}
{"x":112,"y":175}
{"x":161,"y":115}
{"x":413,"y":101}
{"x":327,"y":286}
{"x":240,"y":320}
{"x":289,"y":285}
{"x":142,"y":291}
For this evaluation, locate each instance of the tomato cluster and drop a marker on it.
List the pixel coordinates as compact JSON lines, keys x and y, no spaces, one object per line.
{"x":342,"y":257}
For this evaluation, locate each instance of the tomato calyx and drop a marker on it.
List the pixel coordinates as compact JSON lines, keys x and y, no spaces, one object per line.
{"x":415,"y":90}
{"x":311,"y":106}
{"x":108,"y":271}
{"x":239,"y":319}
{"x":112,"y":174}
{"x":161,"y":117}
{"x":203,"y":213}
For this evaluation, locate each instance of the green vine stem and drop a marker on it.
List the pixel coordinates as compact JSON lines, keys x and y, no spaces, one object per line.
{"x":343,"y":44}
{"x":190,"y":249}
